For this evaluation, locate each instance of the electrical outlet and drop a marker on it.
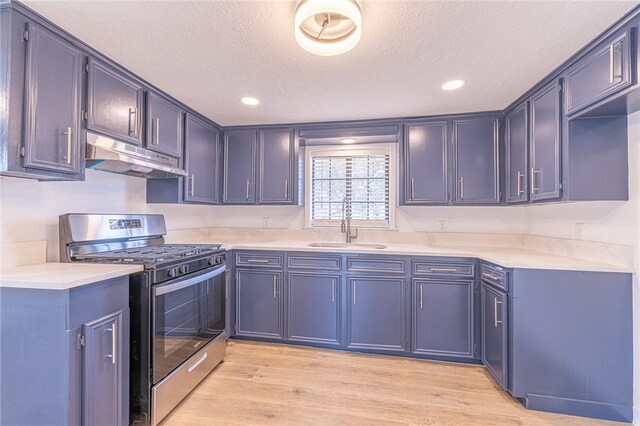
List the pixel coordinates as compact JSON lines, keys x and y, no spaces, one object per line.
{"x":265,"y":222}
{"x":442,"y":225}
{"x":579,"y":231}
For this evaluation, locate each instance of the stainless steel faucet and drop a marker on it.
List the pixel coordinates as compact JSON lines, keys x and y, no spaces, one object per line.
{"x":345,"y":224}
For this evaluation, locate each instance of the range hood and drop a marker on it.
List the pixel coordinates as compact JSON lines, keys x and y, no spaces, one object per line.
{"x":110,"y":155}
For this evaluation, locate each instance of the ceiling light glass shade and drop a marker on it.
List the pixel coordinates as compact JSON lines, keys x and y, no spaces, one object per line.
{"x":348,"y":140}
{"x":453,"y":85}
{"x":248,"y":100}
{"x":328,"y":27}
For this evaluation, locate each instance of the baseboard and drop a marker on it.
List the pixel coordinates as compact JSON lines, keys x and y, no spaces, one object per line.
{"x":576,"y":407}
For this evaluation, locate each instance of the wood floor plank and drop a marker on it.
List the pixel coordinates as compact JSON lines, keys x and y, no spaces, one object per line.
{"x":274,"y":384}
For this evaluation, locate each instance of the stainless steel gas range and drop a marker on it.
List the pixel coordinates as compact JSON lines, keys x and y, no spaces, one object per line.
{"x":178,"y":304}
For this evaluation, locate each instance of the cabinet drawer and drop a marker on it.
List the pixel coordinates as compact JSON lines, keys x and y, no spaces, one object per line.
{"x":302,"y":261}
{"x":495,"y":275}
{"x":380,"y":264}
{"x":260,"y":259}
{"x":443,"y":269}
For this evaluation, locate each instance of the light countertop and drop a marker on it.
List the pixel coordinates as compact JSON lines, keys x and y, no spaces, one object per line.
{"x":61,"y":276}
{"x":508,"y":257}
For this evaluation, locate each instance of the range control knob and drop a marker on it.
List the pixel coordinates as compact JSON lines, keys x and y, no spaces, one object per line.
{"x":212,"y":261}
{"x":171,"y":272}
{"x":220,"y":258}
{"x":183,"y":269}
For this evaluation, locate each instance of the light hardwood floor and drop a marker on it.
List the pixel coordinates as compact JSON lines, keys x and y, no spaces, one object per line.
{"x":274,"y":384}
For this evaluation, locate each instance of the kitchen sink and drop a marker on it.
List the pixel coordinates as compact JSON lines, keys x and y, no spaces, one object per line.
{"x":347,"y":245}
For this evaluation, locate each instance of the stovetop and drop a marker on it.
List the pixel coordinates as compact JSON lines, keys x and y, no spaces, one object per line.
{"x":151,"y":256}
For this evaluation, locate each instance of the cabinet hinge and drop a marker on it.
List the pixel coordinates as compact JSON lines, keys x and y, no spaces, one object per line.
{"x":21,"y":151}
{"x":475,"y":289}
{"x":86,"y":67}
{"x":475,"y":350}
{"x":560,"y":86}
{"x":85,"y":116}
{"x":81,"y":341}
{"x":25,"y":35}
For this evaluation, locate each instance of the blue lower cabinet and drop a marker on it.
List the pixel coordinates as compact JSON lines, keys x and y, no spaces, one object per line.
{"x":377,"y":313}
{"x":442,"y":318}
{"x":313,"y":308}
{"x":71,"y":365}
{"x":259,"y":304}
{"x":495,"y":353}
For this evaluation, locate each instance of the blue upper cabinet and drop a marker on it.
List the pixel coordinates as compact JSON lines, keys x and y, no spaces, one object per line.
{"x":276,"y":163}
{"x":202,"y":156}
{"x":114,"y":103}
{"x":545,"y":134}
{"x":53,"y":88}
{"x":240,"y":147}
{"x":476,"y":160}
{"x":603,"y":72}
{"x":164,"y":125}
{"x":425,"y":163}
{"x":516,"y":155}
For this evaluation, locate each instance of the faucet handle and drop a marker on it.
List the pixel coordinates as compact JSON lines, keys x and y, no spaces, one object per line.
{"x":343,"y":226}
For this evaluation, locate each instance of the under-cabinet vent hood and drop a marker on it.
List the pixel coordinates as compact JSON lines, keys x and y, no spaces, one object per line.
{"x":113,"y":156}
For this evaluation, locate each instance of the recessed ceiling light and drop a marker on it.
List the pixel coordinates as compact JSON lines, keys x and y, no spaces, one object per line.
{"x":248,"y":100}
{"x":348,"y":140}
{"x":453,"y":85}
{"x":328,"y":27}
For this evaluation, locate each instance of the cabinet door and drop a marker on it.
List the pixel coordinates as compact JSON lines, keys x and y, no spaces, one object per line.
{"x":276,"y":166}
{"x":164,"y":130}
{"x":545,"y":136}
{"x":52,"y":103}
{"x":377,"y":308}
{"x":313,"y":308}
{"x":495,"y":334}
{"x":601,"y":73}
{"x":201,"y":162}
{"x":516,"y":138}
{"x":239,"y":167}
{"x":443,"y":318}
{"x":259,"y":304}
{"x":425,"y":162}
{"x":114,"y":104}
{"x":105,"y":371}
{"x":475,"y":145}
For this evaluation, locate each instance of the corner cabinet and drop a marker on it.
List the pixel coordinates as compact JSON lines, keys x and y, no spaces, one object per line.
{"x":239,"y":166}
{"x":517,"y":154}
{"x":476,"y":160}
{"x":201,"y":161}
{"x":114,"y":103}
{"x":425,"y":159}
{"x":74,"y":366}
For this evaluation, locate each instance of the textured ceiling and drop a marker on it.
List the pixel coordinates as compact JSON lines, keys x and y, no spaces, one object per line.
{"x":210,"y":53}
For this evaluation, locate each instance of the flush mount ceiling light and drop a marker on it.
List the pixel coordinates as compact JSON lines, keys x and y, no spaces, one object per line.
{"x":348,"y":140}
{"x":248,"y":100}
{"x":453,"y":85}
{"x":328,"y":27}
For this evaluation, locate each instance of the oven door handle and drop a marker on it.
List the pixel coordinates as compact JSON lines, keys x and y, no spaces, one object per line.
{"x":168,"y":288}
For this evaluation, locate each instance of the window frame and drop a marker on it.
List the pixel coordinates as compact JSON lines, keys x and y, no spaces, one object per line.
{"x":389,"y":149}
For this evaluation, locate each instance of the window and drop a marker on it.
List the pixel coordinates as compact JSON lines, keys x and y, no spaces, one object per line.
{"x":352,"y":183}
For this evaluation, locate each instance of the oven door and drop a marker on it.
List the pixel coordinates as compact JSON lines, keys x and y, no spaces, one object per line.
{"x":187,"y":313}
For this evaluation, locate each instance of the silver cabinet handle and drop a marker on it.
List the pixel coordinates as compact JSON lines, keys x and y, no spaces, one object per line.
{"x":133,"y":130}
{"x":534,"y":172}
{"x":354,"y":292}
{"x":461,"y":188}
{"x":275,"y":285}
{"x":286,"y":189}
{"x":490,"y":276}
{"x":611,"y":59}
{"x":495,"y":312}
{"x":257,"y":261}
{"x":247,"y":195}
{"x":520,"y":190}
{"x":421,"y":298}
{"x":113,"y":343}
{"x":68,"y":134}
{"x":413,"y":189}
{"x":157,"y":131}
{"x":192,"y":186}
{"x":333,"y":291}
{"x":442,"y":269}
